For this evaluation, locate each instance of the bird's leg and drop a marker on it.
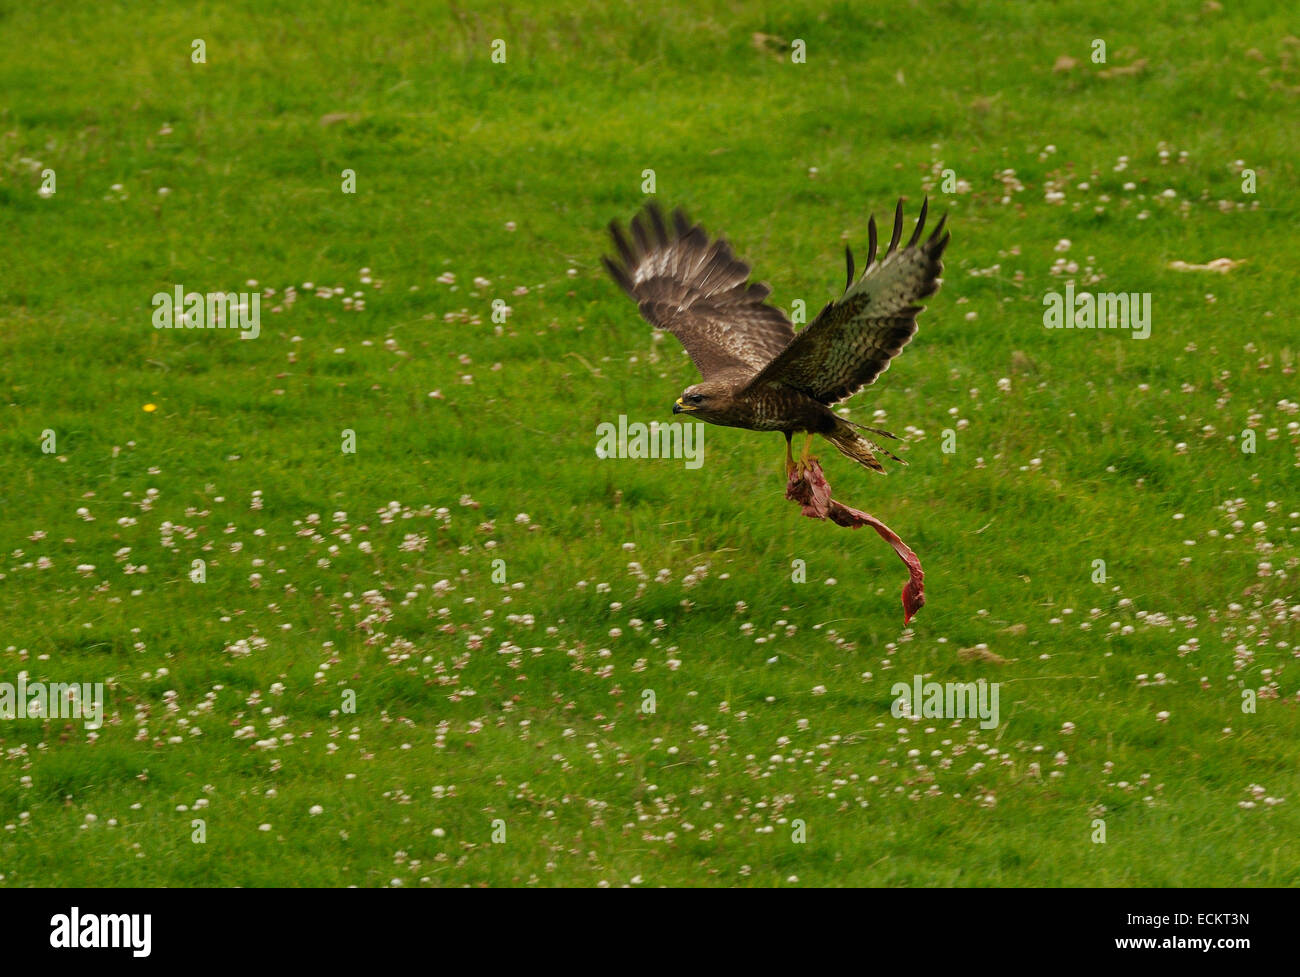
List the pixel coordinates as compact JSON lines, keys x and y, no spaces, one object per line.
{"x":805,"y":456}
{"x":789,"y":456}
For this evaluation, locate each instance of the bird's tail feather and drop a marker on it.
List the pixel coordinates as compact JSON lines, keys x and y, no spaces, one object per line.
{"x":851,"y":444}
{"x":874,"y":430}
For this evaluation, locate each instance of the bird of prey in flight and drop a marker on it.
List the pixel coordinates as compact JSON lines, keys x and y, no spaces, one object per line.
{"x":756,"y":372}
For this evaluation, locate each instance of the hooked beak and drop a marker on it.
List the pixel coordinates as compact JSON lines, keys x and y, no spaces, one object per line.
{"x":679,"y":406}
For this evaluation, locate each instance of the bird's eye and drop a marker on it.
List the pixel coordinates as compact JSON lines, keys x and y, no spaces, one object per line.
{"x":696,"y":398}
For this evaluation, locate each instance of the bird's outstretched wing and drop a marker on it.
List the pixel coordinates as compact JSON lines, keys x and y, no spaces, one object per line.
{"x":698,"y":291}
{"x":852,"y":340}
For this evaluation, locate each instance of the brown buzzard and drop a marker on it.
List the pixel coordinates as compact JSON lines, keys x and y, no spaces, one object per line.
{"x":757,"y":373}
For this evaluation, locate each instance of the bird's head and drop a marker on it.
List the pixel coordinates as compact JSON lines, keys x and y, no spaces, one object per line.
{"x":703,"y":399}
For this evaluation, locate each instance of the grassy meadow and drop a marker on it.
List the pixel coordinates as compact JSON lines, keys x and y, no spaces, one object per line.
{"x":434,"y":640}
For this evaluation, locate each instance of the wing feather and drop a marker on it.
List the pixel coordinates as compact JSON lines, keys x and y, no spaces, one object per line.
{"x":698,"y":291}
{"x":854,"y":338}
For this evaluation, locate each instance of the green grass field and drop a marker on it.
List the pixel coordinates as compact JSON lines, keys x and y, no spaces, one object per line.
{"x":357,"y":694}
